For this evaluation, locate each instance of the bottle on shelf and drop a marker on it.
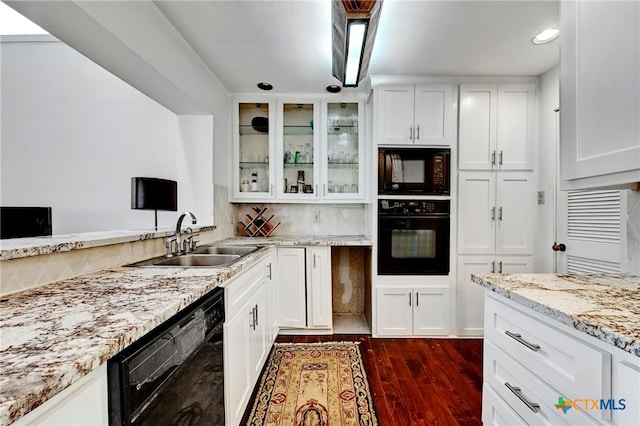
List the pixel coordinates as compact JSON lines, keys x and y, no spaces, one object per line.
{"x":254,"y":182}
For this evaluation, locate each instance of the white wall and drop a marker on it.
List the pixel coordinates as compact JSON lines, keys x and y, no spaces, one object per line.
{"x":73,"y":135}
{"x":546,"y":169}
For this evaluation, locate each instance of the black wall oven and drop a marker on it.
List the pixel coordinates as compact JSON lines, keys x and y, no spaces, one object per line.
{"x":413,"y":237}
{"x":414,"y":171}
{"x":173,"y":375}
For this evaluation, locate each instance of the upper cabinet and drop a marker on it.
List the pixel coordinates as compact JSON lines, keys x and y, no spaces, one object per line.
{"x":253,"y":149}
{"x":599,"y":94}
{"x":298,"y":149}
{"x":414,"y":114}
{"x":497,"y":126}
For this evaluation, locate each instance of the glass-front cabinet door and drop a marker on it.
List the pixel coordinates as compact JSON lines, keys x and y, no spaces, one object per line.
{"x":343,"y":175}
{"x":253,"y":150}
{"x":298,"y":150}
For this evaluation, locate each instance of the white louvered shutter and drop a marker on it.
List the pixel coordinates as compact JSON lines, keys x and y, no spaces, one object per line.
{"x":593,"y":231}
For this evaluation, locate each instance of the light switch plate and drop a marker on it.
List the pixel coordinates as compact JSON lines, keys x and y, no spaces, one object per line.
{"x":540,"y":197}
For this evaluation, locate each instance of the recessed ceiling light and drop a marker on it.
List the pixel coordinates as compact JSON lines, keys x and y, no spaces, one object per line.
{"x":265,"y":86}
{"x":546,"y":36}
{"x":333,"y":88}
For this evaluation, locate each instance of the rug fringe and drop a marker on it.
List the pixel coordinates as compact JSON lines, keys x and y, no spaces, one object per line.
{"x":315,"y":343}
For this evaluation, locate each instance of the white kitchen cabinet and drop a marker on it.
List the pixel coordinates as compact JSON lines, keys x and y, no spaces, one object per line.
{"x":319,"y":300}
{"x":496,"y":213}
{"x":403,"y":311}
{"x":470,"y":296}
{"x":626,"y":386}
{"x":414,"y":114}
{"x":304,"y":288}
{"x":253,"y":148}
{"x":599,"y":87}
{"x":291,"y":287}
{"x":84,"y":403}
{"x":342,"y":176}
{"x":542,"y":360}
{"x":271,"y":265}
{"x":298,"y":149}
{"x":247,"y":338}
{"x":497,"y":126}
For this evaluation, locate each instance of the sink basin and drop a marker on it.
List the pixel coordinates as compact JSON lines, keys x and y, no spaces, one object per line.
{"x":239,"y":250}
{"x":202,"y":260}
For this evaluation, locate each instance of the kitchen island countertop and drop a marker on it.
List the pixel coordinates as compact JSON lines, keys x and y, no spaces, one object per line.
{"x":605,"y":306}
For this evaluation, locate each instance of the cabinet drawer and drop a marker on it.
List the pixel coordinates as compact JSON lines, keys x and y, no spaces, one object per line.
{"x":573,"y":368}
{"x":497,"y":412}
{"x":242,"y":288}
{"x":518,"y":387}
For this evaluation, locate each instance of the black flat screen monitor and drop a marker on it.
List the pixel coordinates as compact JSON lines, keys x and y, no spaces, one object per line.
{"x":22,"y":222}
{"x":154,"y":194}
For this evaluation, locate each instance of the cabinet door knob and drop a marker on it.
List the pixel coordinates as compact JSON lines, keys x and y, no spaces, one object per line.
{"x":558,"y":247}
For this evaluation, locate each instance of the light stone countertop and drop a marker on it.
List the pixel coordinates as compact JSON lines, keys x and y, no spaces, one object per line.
{"x":15,"y":248}
{"x":605,"y":306}
{"x":53,"y":335}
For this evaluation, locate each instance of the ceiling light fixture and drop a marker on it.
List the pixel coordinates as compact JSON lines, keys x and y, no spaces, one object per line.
{"x":546,"y":36}
{"x":265,"y":86}
{"x":333,"y":88}
{"x":354,"y":29}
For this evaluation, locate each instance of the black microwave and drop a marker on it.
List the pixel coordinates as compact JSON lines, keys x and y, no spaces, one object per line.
{"x":415,"y":171}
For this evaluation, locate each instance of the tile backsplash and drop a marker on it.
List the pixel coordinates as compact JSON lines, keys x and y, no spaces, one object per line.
{"x":298,"y":219}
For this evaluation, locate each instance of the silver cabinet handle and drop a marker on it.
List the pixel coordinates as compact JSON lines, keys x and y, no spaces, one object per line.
{"x":316,"y":189}
{"x":257,"y":318}
{"x":409,"y":298}
{"x":493,"y":267}
{"x":500,"y":158}
{"x":417,"y":299}
{"x":518,"y":337}
{"x":500,"y":213}
{"x":410,"y":132}
{"x":271,"y":189}
{"x":269,"y":266}
{"x":493,"y":158}
{"x":324,"y":189}
{"x":500,"y":267}
{"x":493,"y":213}
{"x":314,"y":260}
{"x":518,"y":392}
{"x":418,"y":132}
{"x":253,"y":318}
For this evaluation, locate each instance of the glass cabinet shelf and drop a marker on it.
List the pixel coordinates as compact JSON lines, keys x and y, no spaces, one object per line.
{"x":298,"y":131}
{"x":343,"y":130}
{"x":254,"y":164}
{"x":248,"y":129}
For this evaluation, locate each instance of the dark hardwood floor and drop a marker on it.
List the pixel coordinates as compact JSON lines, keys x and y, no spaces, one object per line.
{"x":418,"y":381}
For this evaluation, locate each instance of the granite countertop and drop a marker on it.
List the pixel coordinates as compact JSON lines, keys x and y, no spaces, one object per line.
{"x":53,"y":335}
{"x":35,"y":246}
{"x":605,"y":306}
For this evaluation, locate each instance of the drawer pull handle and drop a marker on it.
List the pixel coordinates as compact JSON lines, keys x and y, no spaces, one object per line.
{"x":519,"y":338}
{"x":518,"y":392}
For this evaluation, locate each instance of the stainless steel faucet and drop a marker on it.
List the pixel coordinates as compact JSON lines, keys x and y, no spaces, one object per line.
{"x":176,"y":239}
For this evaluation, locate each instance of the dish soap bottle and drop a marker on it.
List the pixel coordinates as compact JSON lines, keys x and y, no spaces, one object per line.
{"x":254,"y":182}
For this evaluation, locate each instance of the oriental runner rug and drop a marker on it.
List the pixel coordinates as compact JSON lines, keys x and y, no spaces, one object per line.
{"x":314,"y":384}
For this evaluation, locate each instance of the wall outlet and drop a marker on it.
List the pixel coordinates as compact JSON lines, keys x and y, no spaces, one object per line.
{"x":316,"y":216}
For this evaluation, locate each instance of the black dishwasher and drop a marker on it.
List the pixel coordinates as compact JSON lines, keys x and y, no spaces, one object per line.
{"x":174,"y":374}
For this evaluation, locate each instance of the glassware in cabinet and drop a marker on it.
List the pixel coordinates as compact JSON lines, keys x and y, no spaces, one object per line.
{"x":253,"y":174}
{"x":299,"y":168}
{"x":343,"y":174}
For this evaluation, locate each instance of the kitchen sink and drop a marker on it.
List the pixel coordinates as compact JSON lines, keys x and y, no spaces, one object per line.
{"x":203,"y":260}
{"x":191,"y":260}
{"x":239,"y":250}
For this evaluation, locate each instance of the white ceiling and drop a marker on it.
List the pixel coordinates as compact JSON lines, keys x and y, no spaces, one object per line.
{"x":184,"y":54}
{"x":288,"y":43}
